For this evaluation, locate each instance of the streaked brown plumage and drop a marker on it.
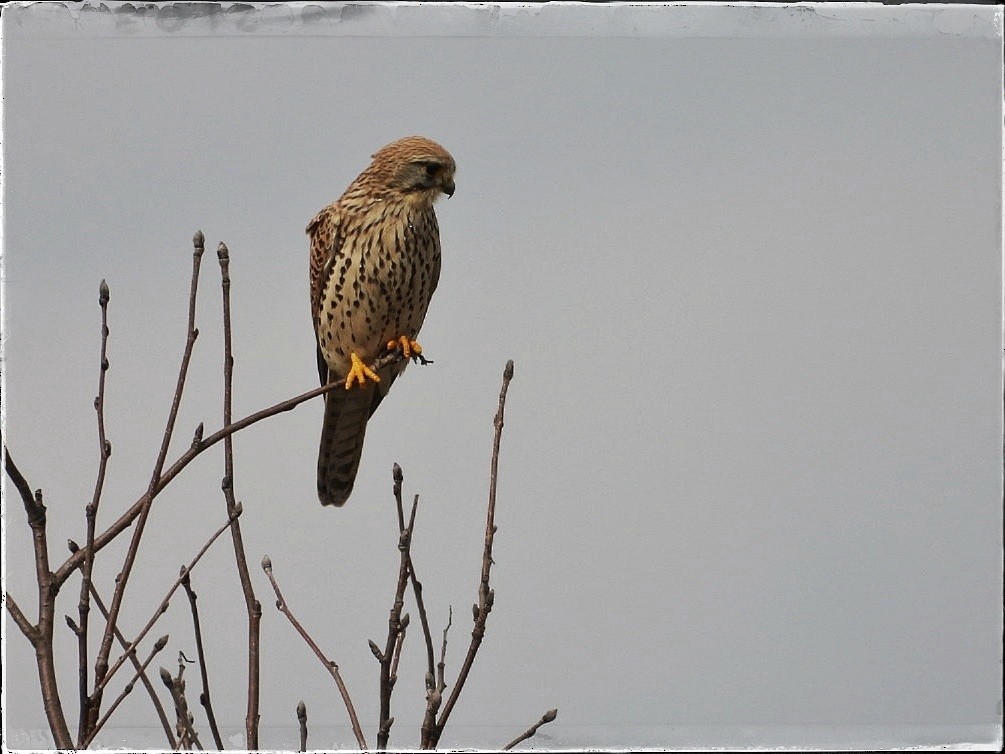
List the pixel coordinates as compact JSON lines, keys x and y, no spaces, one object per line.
{"x":374,"y":264}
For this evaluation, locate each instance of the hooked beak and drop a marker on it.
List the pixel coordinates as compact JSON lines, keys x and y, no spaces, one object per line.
{"x":448,"y":188}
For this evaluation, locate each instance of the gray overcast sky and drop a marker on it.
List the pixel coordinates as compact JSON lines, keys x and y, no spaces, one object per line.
{"x":747,"y":262}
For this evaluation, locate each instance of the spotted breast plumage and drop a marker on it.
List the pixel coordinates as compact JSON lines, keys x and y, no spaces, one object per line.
{"x":374,"y":264}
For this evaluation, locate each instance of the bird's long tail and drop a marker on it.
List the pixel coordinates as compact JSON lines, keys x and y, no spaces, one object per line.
{"x":346,"y":414}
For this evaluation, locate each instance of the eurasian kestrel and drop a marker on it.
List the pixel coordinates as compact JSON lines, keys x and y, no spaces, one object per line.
{"x":374,"y":264}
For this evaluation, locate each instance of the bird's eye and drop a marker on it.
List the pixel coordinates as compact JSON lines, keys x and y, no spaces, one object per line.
{"x":431,"y":168}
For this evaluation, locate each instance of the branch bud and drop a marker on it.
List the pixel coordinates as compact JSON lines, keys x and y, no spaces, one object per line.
{"x":267,"y":564}
{"x":198,"y":240}
{"x":72,"y":546}
{"x":403,"y":623}
{"x":376,"y":650}
{"x":302,"y":711}
{"x":221,"y":252}
{"x":396,"y":473}
{"x":161,"y":643}
{"x":103,"y":292}
{"x":549,"y":716}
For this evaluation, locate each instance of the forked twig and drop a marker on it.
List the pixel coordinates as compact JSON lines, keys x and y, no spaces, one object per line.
{"x":396,"y":623}
{"x":399,"y":477}
{"x":546,"y":718}
{"x":486,"y":595}
{"x":187,"y":737}
{"x":40,"y":634}
{"x":434,"y":690}
{"x":330,"y":665}
{"x":252,"y":605}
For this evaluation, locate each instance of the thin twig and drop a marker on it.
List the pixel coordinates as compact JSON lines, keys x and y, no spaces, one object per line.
{"x":199,"y":445}
{"x":40,"y":635}
{"x":186,"y":732}
{"x":32,"y":502}
{"x":144,"y":678}
{"x":204,"y":699}
{"x":330,"y":665}
{"x":441,"y":666}
{"x":434,"y":689}
{"x":162,"y":607}
{"x":486,"y":595}
{"x":395,"y":621}
{"x":252,"y":605}
{"x":101,"y":665}
{"x":546,"y":718}
{"x":30,"y":631}
{"x":87,"y":719}
{"x":302,"y":719}
{"x":140,"y":672}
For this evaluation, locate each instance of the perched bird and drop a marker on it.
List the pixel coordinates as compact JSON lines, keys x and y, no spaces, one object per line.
{"x":374,"y":264}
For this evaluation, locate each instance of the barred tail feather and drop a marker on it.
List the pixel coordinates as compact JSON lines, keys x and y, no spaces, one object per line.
{"x":346,"y":414}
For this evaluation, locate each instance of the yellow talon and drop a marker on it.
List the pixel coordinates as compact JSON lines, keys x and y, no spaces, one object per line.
{"x":358,"y":372}
{"x":408,"y":346}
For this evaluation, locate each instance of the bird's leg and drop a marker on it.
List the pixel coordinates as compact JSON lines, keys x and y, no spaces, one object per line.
{"x":359,"y":372}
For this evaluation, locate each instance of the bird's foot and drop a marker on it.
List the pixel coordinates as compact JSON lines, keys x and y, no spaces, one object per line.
{"x":409,"y":348}
{"x":359,"y":372}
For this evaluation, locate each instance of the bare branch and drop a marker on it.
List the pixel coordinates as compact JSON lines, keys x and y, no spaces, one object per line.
{"x":41,"y":634}
{"x":330,"y":665}
{"x":126,"y":519}
{"x":101,"y":665}
{"x":252,"y":605}
{"x":486,"y":595}
{"x":546,"y":718}
{"x":204,"y":699}
{"x":87,"y":715}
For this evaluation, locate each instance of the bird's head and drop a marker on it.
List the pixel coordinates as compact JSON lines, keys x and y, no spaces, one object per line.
{"x":418,"y":168}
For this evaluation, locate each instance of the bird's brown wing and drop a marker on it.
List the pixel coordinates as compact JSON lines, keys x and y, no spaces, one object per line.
{"x":326,"y":243}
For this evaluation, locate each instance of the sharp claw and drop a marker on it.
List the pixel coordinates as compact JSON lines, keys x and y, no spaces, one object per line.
{"x":410,"y":349}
